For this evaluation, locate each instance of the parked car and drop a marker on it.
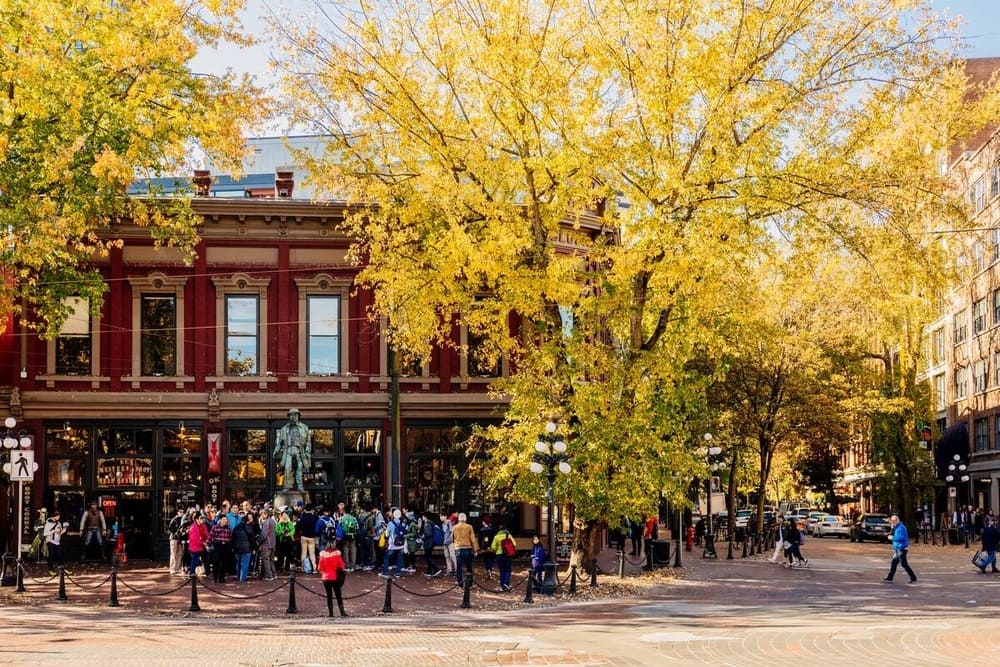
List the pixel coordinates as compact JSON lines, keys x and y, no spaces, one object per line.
{"x":812,"y":519}
{"x":870,"y":527}
{"x":832,"y":526}
{"x":743,"y":518}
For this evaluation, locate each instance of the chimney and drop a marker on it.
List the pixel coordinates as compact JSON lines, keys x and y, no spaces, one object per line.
{"x":202,"y":182}
{"x":284,"y":182}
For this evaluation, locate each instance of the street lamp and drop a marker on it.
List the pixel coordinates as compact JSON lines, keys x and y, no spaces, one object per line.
{"x":550,"y":455}
{"x":20,"y":467}
{"x":957,"y":470}
{"x":715,"y":464}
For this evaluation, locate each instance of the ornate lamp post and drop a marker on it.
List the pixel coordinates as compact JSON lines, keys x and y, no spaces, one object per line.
{"x":715,"y":463}
{"x":957,"y":470}
{"x":20,"y":467}
{"x":550,"y":455}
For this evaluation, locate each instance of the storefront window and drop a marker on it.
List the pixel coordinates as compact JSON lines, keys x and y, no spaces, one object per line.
{"x":362,"y":467}
{"x":68,"y":451}
{"x":247,"y":456}
{"x":124,"y":457}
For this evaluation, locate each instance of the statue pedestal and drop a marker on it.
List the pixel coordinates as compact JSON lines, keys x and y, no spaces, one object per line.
{"x":290,"y":498}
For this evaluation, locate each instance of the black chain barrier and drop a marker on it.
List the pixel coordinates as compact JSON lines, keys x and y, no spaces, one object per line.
{"x":322,"y":594}
{"x":244,"y":597}
{"x":499,"y":590}
{"x":88,"y":588}
{"x":426,"y":595}
{"x":25,"y":575}
{"x":140,"y":592}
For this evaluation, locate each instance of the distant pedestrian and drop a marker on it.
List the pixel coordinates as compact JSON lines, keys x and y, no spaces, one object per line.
{"x":53,"y":532}
{"x":537,"y":559}
{"x":427,"y":534}
{"x":504,"y":547}
{"x":268,"y":542}
{"x":991,"y":539}
{"x":778,"y":540}
{"x":792,"y":544}
{"x":900,"y":545}
{"x":486,"y":533}
{"x":465,"y":547}
{"x":448,"y":548}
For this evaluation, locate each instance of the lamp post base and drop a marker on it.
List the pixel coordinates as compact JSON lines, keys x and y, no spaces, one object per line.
{"x":550,"y":582}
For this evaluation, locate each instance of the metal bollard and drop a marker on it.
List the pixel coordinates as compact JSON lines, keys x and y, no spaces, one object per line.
{"x":292,"y":609}
{"x":62,"y":585}
{"x":527,"y":592}
{"x":194,"y":593}
{"x":729,"y":555}
{"x":677,"y":554}
{"x":593,"y":573}
{"x":20,"y":577}
{"x":572,"y":580}
{"x":114,"y":587}
{"x":966,"y":538}
{"x":387,"y":603}
{"x":621,"y":564}
{"x":648,"y":545}
{"x":466,"y":591}
{"x":745,"y":539}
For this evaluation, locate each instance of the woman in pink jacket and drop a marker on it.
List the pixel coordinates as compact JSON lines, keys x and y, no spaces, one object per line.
{"x":197,"y":541}
{"x":331,"y":568}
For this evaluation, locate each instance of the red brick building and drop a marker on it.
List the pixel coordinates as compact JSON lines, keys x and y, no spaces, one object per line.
{"x":175,"y":392}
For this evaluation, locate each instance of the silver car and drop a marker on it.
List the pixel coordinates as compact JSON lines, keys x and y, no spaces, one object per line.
{"x":832,"y":526}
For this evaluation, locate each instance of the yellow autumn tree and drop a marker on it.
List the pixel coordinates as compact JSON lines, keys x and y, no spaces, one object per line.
{"x":93,"y":96}
{"x":691,"y":141}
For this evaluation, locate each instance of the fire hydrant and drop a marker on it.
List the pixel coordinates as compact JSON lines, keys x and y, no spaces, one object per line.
{"x":689,"y":538}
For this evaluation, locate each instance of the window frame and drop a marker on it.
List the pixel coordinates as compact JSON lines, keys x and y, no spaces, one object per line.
{"x":158,"y":284}
{"x":961,"y":383}
{"x":228,"y":299}
{"x":323,"y":285}
{"x":51,"y":352}
{"x":980,"y":376}
{"x":960,"y":327}
{"x":978,"y":316}
{"x":240,"y":284}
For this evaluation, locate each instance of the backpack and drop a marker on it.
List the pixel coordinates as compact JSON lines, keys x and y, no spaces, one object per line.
{"x":399,"y":535}
{"x":349,"y":525}
{"x":330,"y":531}
{"x":507,"y":545}
{"x":438,"y":539}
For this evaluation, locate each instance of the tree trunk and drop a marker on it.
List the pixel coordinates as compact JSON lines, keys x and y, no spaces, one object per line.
{"x":586,"y":544}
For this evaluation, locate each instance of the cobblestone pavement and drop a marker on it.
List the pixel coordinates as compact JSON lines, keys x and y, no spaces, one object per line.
{"x":713,"y":612}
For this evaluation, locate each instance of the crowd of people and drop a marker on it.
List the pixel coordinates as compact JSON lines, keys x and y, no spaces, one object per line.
{"x":249,"y":541}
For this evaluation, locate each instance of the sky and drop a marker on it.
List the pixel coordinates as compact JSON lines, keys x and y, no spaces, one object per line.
{"x":981,"y":31}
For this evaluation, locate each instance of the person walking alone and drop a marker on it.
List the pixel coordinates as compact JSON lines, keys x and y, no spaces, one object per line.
{"x":900,"y":545}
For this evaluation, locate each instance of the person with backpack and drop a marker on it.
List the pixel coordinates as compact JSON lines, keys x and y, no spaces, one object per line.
{"x":429,"y":532}
{"x":284,"y":532}
{"x":348,"y":530}
{"x":395,"y":545}
{"x":464,"y":537}
{"x":504,"y":547}
{"x":175,"y":532}
{"x":364,"y":540}
{"x":326,"y":524}
{"x":413,"y":543}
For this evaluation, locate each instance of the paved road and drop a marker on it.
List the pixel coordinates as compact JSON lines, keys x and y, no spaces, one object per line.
{"x":739,"y":612}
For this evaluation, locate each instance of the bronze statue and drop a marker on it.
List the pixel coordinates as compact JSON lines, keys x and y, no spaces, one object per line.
{"x":293,"y":450}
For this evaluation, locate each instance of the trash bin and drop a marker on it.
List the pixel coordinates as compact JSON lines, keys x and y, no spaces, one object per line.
{"x":661,"y":553}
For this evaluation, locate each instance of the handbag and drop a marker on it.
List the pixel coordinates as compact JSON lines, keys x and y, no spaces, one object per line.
{"x":979,"y":559}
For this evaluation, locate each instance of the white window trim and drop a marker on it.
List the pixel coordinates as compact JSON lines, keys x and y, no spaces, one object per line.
{"x":323,"y":284}
{"x":236,"y":285}
{"x":157,"y":283}
{"x":95,"y":357}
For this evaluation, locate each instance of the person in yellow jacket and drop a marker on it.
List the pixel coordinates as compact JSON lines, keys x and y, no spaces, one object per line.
{"x":504,"y":547}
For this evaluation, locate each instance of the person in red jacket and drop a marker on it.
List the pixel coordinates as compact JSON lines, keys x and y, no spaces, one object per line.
{"x":331,"y":570}
{"x":197,"y":540}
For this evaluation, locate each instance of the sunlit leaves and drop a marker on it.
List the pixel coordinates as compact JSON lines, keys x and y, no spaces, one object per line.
{"x":93,"y":95}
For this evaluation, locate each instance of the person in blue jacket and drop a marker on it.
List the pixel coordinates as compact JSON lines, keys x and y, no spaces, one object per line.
{"x":900,"y":545}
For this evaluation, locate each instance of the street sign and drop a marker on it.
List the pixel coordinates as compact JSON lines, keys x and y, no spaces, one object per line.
{"x":22,"y":465}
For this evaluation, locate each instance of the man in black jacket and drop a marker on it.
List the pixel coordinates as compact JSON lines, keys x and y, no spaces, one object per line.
{"x":991,"y":539}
